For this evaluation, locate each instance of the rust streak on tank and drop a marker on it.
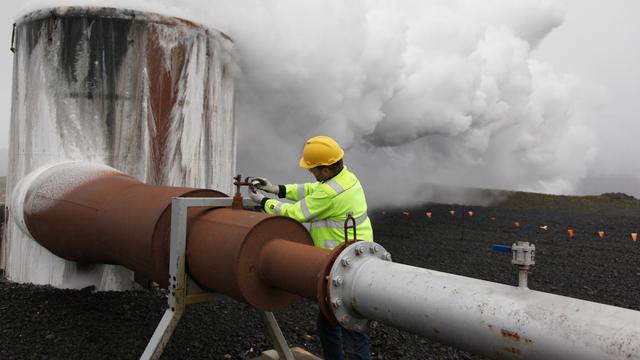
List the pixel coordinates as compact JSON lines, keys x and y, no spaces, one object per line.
{"x":510,"y":335}
{"x":164,"y":98}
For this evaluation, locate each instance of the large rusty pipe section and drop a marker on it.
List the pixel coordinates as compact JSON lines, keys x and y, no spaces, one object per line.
{"x":91,"y":213}
{"x":95,"y":214}
{"x":224,"y":251}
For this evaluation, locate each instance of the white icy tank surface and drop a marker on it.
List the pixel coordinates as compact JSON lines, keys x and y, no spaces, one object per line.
{"x":149,"y":95}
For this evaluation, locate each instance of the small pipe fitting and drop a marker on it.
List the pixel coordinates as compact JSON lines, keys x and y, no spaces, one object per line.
{"x":523,"y":258}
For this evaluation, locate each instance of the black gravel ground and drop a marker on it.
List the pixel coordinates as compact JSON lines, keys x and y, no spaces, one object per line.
{"x":45,"y":323}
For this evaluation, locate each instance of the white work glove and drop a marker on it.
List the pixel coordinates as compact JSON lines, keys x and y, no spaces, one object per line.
{"x":256,"y":195}
{"x":266,"y":185}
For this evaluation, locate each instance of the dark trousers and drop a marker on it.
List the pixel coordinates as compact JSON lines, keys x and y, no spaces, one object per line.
{"x":339,"y":343}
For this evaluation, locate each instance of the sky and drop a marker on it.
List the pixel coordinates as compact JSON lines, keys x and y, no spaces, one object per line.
{"x":516,"y":95}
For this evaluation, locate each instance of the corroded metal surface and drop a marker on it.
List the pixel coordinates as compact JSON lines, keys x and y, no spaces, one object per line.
{"x":277,"y":259}
{"x":224,"y":249}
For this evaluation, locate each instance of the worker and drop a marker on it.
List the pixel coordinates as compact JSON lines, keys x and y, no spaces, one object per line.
{"x":323,"y":207}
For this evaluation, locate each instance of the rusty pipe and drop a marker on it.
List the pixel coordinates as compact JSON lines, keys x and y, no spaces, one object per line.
{"x":279,"y":257}
{"x":92,"y":213}
{"x":224,"y":247}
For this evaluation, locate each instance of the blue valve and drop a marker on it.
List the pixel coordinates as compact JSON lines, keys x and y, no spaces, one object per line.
{"x":501,"y":248}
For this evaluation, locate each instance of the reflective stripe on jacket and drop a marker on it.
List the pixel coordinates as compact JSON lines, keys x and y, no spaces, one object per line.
{"x":323,"y":207}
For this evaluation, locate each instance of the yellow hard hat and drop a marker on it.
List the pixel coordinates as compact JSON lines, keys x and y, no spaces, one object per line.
{"x":320,"y":151}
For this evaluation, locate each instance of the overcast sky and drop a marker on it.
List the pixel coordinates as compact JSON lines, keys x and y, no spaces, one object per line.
{"x":594,"y":46}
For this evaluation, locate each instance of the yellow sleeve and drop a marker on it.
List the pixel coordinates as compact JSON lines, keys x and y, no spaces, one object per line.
{"x":296,"y":192}
{"x":316,"y":205}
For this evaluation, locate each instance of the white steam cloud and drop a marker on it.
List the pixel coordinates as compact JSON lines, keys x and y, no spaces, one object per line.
{"x":418,"y":92}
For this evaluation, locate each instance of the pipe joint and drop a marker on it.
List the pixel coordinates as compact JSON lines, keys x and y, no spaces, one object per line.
{"x":343,"y":275}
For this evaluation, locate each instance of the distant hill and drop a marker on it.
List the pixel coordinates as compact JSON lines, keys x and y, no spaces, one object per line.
{"x":607,"y":203}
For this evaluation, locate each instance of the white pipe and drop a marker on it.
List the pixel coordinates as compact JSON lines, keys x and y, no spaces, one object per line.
{"x":495,"y":320}
{"x":522,"y":277}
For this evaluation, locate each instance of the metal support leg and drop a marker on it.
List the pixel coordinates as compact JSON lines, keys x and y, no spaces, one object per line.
{"x":161,"y":336}
{"x":279,"y":342}
{"x":177,"y":282}
{"x":183,"y":291}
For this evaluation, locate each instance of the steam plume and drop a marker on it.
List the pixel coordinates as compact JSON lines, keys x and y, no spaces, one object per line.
{"x":418,"y":92}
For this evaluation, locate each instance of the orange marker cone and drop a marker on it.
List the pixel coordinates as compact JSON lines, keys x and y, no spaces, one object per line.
{"x":471,"y":213}
{"x":544,"y":227}
{"x":452,"y":212}
{"x":406,"y":213}
{"x":516,"y":224}
{"x":600,"y":234}
{"x":634,"y":236}
{"x":569,"y":232}
{"x":428,"y":214}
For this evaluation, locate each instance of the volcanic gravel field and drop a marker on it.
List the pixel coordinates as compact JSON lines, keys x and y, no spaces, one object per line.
{"x":44,"y":323}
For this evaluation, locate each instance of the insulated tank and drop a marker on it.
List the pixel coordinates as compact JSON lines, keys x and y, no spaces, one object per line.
{"x":150,"y":95}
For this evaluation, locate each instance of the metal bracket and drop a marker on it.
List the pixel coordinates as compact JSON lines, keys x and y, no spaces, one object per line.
{"x":183,"y":291}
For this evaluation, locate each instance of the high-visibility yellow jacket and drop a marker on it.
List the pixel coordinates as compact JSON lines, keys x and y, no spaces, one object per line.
{"x":324,"y":206}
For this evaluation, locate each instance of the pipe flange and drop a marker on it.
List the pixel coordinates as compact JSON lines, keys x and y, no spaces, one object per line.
{"x":342,"y":279}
